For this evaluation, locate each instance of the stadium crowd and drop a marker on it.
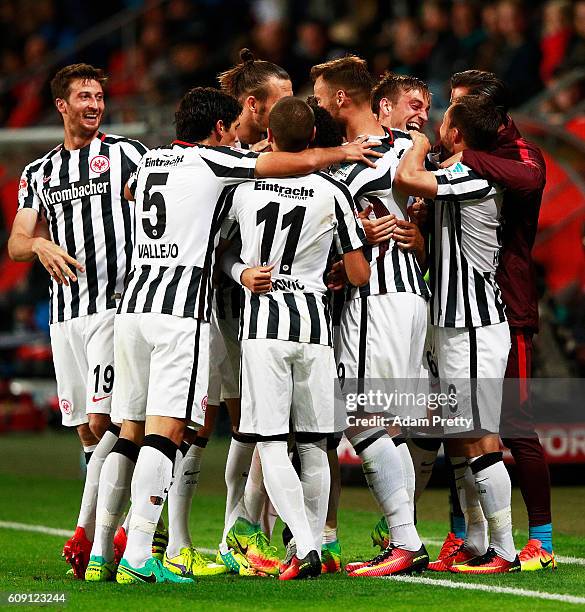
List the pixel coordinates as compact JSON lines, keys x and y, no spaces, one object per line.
{"x":530,"y":45}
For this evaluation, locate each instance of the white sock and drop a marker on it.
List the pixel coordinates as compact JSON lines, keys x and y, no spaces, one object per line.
{"x":86,"y":517}
{"x":254,"y":493}
{"x":476,"y":527}
{"x":180,"y":498}
{"x":315,"y":480}
{"x":152,"y":479}
{"x":384,"y":474}
{"x":237,"y":468}
{"x":409,"y":476}
{"x":495,"y":496}
{"x":113,"y":495}
{"x":286,"y":493}
{"x":423,"y":460}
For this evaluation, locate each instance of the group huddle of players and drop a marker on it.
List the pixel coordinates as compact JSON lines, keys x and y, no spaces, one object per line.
{"x":276,"y":255}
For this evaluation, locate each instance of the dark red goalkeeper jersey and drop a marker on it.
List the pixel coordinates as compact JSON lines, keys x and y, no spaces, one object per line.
{"x":517,"y":165}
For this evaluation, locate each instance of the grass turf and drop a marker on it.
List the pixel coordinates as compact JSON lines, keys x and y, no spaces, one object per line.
{"x":40,"y":484}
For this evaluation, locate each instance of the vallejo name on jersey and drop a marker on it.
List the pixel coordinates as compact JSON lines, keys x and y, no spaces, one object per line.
{"x":158,"y":251}
{"x":301,"y":193}
{"x":55,"y":195}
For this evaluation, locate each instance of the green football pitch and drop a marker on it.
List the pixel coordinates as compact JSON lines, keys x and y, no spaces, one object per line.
{"x":40,"y":492}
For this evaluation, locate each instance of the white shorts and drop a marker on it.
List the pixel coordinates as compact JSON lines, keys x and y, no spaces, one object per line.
{"x":381,"y":347}
{"x":471,"y":363}
{"x":288,"y":383}
{"x":83,"y":355}
{"x":224,"y":359}
{"x":162,"y":367}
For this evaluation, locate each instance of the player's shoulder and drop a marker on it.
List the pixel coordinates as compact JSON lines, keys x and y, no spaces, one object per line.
{"x":458,"y":172}
{"x":115,"y":140}
{"x":40,"y":162}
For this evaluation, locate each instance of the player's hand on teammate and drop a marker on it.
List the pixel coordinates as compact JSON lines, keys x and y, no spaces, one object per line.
{"x":337,"y":278}
{"x":418,"y":211}
{"x":407,"y":236}
{"x":452,"y":160}
{"x":257,"y":279}
{"x":420,"y":140}
{"x":263,"y":146}
{"x":56,"y":261}
{"x":377,"y":230}
{"x":360,"y":151}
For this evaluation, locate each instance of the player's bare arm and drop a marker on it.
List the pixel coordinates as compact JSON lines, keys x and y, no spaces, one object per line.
{"x":23,"y":245}
{"x":411,"y":177}
{"x":356,"y":268}
{"x":377,"y":230}
{"x":290,"y":164}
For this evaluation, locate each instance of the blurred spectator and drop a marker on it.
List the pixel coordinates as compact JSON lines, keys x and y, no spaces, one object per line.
{"x":575,"y":57}
{"x":555,"y":36}
{"x":439,"y":48}
{"x":489,"y":48}
{"x":565,"y":95}
{"x":518,"y":59}
{"x":468,"y":33}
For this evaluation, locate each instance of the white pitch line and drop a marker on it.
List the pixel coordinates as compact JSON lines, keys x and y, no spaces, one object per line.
{"x":63,"y":533}
{"x":487,"y":588}
{"x":559,"y":558}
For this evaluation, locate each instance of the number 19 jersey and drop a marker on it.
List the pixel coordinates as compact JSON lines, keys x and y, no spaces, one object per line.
{"x":290,"y":223}
{"x":180,"y":193}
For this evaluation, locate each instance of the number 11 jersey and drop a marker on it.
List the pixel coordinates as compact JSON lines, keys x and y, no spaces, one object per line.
{"x":181,"y":200}
{"x":290,"y":223}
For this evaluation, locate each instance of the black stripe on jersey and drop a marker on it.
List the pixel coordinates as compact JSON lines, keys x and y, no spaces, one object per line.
{"x":235,"y":296}
{"x":192,"y":290}
{"x":327,"y":310}
{"x":363,"y":344}
{"x":408,"y":260}
{"x":69,"y":236}
{"x":499,"y":304}
{"x":219,"y":170}
{"x":473,"y":377}
{"x":110,"y":238}
{"x":193,"y":381}
{"x":454,"y":236}
{"x":230,"y":151}
{"x":424,"y":290}
{"x":171,"y":291}
{"x":220,"y":303}
{"x":152,"y":289}
{"x":254,"y":307}
{"x":88,"y":237}
{"x":380,"y":267}
{"x":222,"y":208}
{"x":481,"y":298}
{"x":273,"y":316}
{"x":342,"y":231}
{"x":398,"y":281}
{"x":294,"y":333}
{"x":137,"y":287}
{"x":381,"y":183}
{"x":28,"y":200}
{"x":464,"y":270}
{"x":342,"y":186}
{"x":462,"y":196}
{"x":360,"y":166}
{"x":126,"y":215}
{"x":314,"y":316}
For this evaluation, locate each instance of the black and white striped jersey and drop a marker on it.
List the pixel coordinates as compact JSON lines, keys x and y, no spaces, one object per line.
{"x":290,"y":223}
{"x":392,"y":270}
{"x":81,"y":194}
{"x":465,"y":251}
{"x":181,"y":195}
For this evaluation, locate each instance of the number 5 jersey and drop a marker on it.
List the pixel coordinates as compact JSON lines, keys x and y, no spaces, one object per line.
{"x":181,"y":200}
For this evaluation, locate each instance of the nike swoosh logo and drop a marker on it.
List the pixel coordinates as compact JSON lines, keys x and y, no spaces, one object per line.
{"x":95,"y":399}
{"x":191,"y":473}
{"x":243,"y":549}
{"x":545,"y":563}
{"x":151,"y":578}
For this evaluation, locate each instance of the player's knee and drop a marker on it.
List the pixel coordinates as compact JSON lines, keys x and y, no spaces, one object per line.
{"x":98,"y":424}
{"x":86,"y":437}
